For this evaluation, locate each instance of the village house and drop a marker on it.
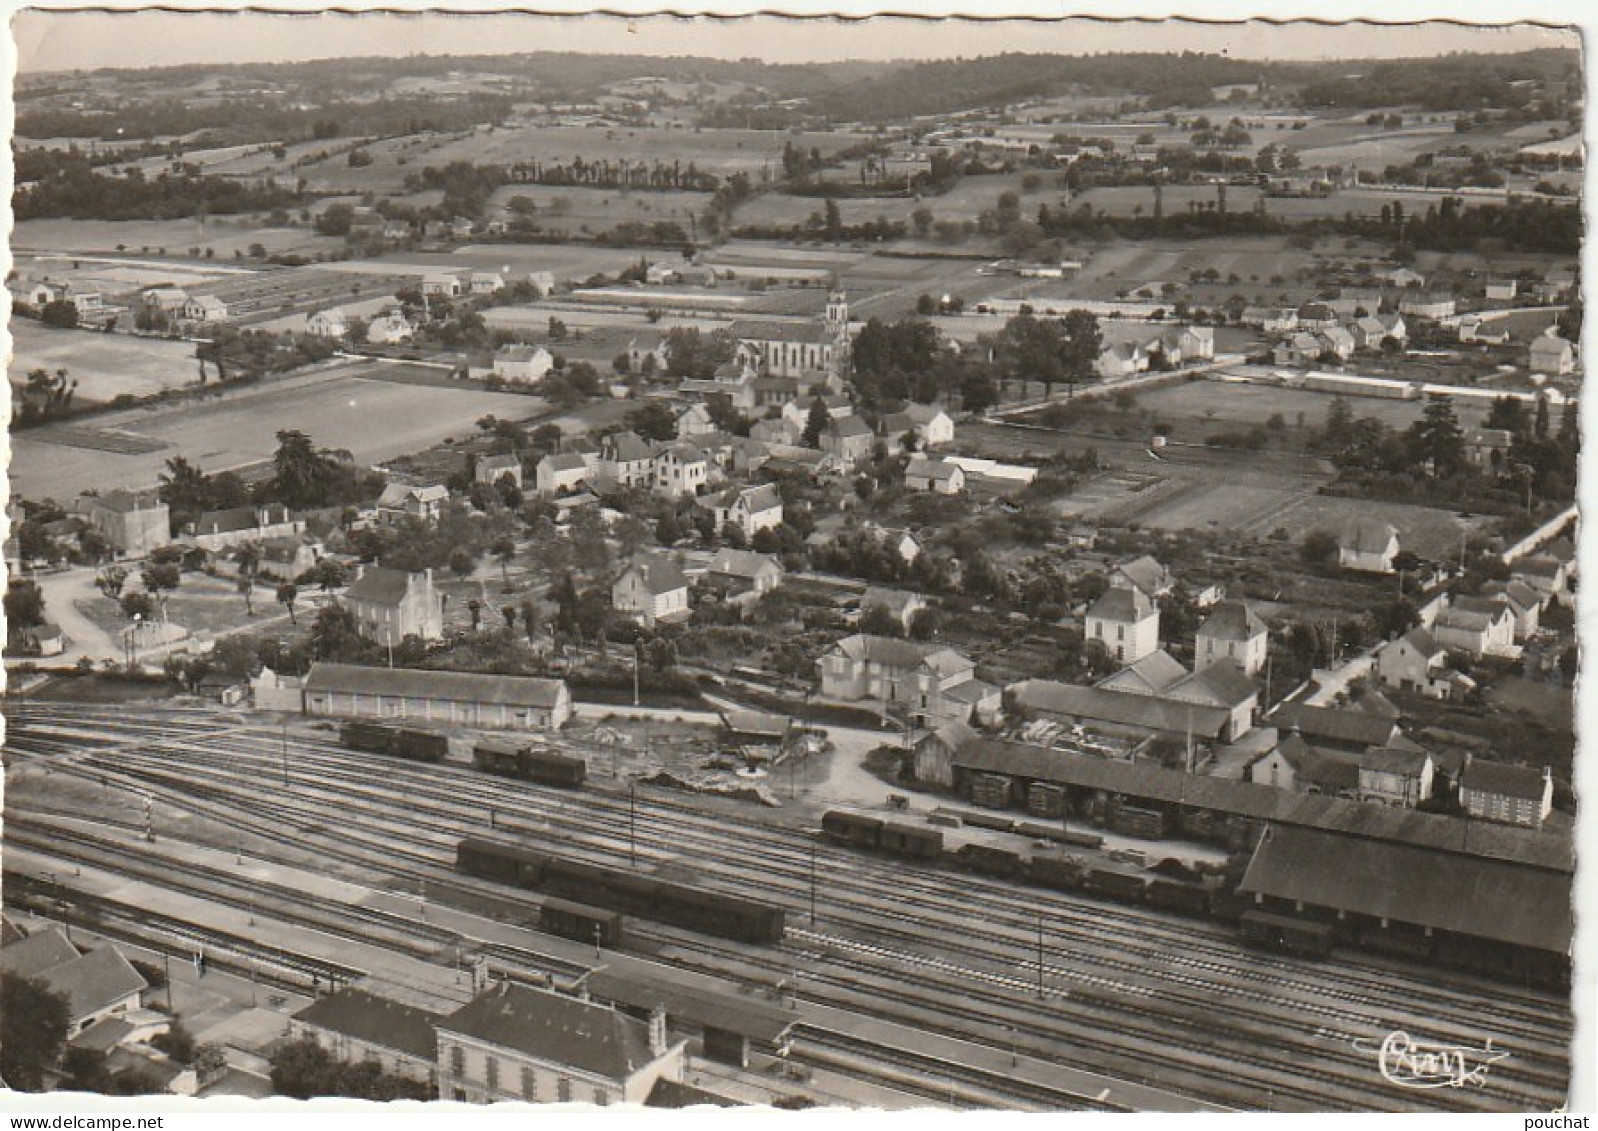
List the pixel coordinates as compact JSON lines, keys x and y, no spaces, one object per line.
{"x":1473,"y":328}
{"x":1428,"y":307}
{"x":1368,"y":545}
{"x":932,"y":684}
{"x":1479,"y":626}
{"x":1488,"y":448}
{"x":470,"y":699}
{"x":1232,"y":631}
{"x":562,"y":472}
{"x":486,"y":282}
{"x":442,"y":285}
{"x":353,"y":1026}
{"x":1121,"y":359}
{"x":648,"y":352}
{"x":1184,"y":345}
{"x":287,"y":558}
{"x":901,"y":604}
{"x":401,"y":501}
{"x":522,"y":364}
{"x":1512,"y":795}
{"x":205,"y":309}
{"x":1544,"y":573}
{"x":328,"y":323}
{"x":627,"y":460}
{"x":134,"y":523}
{"x":936,"y":475}
{"x":1271,"y":319}
{"x":515,"y":1043}
{"x":651,"y":589}
{"x":1299,"y":349}
{"x":1397,"y":777}
{"x":694,"y":420}
{"x":1524,"y":602}
{"x":217,"y":530}
{"x":1125,"y":621}
{"x":1338,"y":728}
{"x":848,"y":440}
{"x":1316,"y":316}
{"x":737,"y":574}
{"x":491,"y":469}
{"x":98,"y":984}
{"x":1415,"y":662}
{"x":389,"y":329}
{"x":390,"y":604}
{"x":933,"y":426}
{"x":1551,"y":354}
{"x":1144,"y":574}
{"x":750,"y":509}
{"x":681,"y":469}
{"x":1501,"y":290}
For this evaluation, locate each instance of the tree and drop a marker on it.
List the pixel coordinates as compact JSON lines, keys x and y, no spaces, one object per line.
{"x":24,"y":604}
{"x":110,"y":581}
{"x":505,"y":550}
{"x":1319,"y":547}
{"x":287,"y":594}
{"x":1083,"y":344}
{"x":653,"y":421}
{"x":336,"y":635}
{"x":61,"y":313}
{"x":36,"y":1021}
{"x":160,"y":579}
{"x":926,"y":623}
{"x":1339,"y":423}
{"x":815,"y":424}
{"x":878,"y":620}
{"x":304,"y":476}
{"x":1436,"y":439}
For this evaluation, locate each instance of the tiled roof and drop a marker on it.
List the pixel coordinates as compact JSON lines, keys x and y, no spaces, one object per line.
{"x":1120,"y":708}
{"x":1127,"y":606}
{"x":1424,"y":642}
{"x":902,"y":654}
{"x":921,"y":467}
{"x":659,"y":574}
{"x":36,"y":953}
{"x":627,"y":447}
{"x":847,"y":427}
{"x":1156,"y":671}
{"x":1402,"y":883}
{"x":1232,"y":620}
{"x":416,"y":683}
{"x":376,"y":1020}
{"x":741,"y":563}
{"x":379,"y":585}
{"x":1392,"y":760}
{"x":1504,"y":779}
{"x":1146,"y":574}
{"x":1224,"y":680}
{"x":1352,"y":727}
{"x":97,"y":979}
{"x":554,"y":1029}
{"x":810,"y":333}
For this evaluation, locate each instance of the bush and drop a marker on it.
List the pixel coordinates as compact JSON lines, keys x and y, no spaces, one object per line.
{"x":1319,"y":547}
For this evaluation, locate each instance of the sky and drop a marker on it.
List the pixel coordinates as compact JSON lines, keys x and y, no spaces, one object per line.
{"x":61,"y":40}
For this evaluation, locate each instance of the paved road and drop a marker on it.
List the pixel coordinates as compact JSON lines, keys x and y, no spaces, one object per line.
{"x":63,"y":593}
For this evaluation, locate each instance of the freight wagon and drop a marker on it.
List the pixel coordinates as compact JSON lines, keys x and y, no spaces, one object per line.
{"x":610,"y":889}
{"x":581,"y":922}
{"x":396,"y":742}
{"x":1281,"y":932}
{"x":530,"y":764}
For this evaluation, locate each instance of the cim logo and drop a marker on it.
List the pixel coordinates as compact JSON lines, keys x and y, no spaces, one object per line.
{"x":1409,"y":1063}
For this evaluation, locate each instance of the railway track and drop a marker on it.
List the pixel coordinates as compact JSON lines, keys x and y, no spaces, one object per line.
{"x":784,"y":859}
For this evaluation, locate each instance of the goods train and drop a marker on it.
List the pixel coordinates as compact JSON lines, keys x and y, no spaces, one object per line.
{"x":1280,"y":930}
{"x":628,"y":893}
{"x":397,"y":742}
{"x":530,"y":764}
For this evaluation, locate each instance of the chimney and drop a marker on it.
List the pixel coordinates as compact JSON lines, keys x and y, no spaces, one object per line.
{"x":657,"y":1031}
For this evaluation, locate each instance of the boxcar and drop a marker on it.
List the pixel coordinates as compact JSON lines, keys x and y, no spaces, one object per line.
{"x":374,"y":738}
{"x":497,"y":758}
{"x":1173,"y":895}
{"x":520,"y":866}
{"x":988,"y":861}
{"x":852,"y":829}
{"x":548,"y":768}
{"x":1146,"y":824}
{"x":581,"y":922}
{"x":1125,"y":886}
{"x":908,"y":840}
{"x":989,"y":821}
{"x":420,"y":745}
{"x":1060,"y":873}
{"x":1280,"y":932}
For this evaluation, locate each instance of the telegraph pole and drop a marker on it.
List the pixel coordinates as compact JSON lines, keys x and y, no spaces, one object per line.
{"x":285,"y":754}
{"x":1040,"y":954}
{"x":632,"y":824}
{"x":812,"y":884}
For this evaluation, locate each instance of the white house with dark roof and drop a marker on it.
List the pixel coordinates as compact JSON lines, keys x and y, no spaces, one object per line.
{"x":491,"y":469}
{"x":98,"y":984}
{"x":1144,"y":574}
{"x":1232,"y":631}
{"x":471,"y":699}
{"x":330,"y":322}
{"x":750,"y":509}
{"x":934,"y":685}
{"x":390,"y":604}
{"x":519,"y":1044}
{"x":1524,"y":602}
{"x":1546,"y":574}
{"x":627,"y":459}
{"x":1549,"y":353}
{"x":205,"y":309}
{"x":651,"y":588}
{"x":1417,"y":663}
{"x":1395,"y":776}
{"x":1126,"y":621}
{"x":134,"y":522}
{"x":562,"y":472}
{"x":354,"y":1026}
{"x":848,"y":439}
{"x":681,"y":469}
{"x":1480,"y":626}
{"x":1513,"y":795}
{"x":1368,"y":545}
{"x":925,"y":473}
{"x":401,"y":501}
{"x":217,"y":530}
{"x":1430,"y":307}
{"x":901,"y":604}
{"x":742,"y":573}
{"x":522,"y":365}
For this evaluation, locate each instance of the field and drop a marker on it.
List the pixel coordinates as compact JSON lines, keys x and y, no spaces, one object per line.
{"x":596,"y":210}
{"x":721,"y":152}
{"x":564,"y":261}
{"x":338,"y":406}
{"x":221,"y":235}
{"x":105,"y":365}
{"x":112,"y":276}
{"x":1187,"y":406}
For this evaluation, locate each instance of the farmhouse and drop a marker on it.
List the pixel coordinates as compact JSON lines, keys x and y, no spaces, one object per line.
{"x":651,"y":589}
{"x":848,"y":440}
{"x":495,"y":702}
{"x":491,"y":469}
{"x":1121,"y":359}
{"x":936,"y":475}
{"x":1271,"y":319}
{"x":133,"y":522}
{"x":1368,"y":545}
{"x":933,"y":426}
{"x":934,"y":685}
{"x":442,"y":285}
{"x":562,"y":472}
{"x":401,"y":501}
{"x":1416,"y":662}
{"x":750,"y":509}
{"x":217,"y":530}
{"x":522,"y":364}
{"x":389,"y":329}
{"x":738,"y":573}
{"x":329,"y":323}
{"x":205,"y":308}
{"x":390,"y":604}
{"x":487,"y":282}
{"x":1524,"y":603}
{"x":1550,"y":353}
{"x":1480,"y":626}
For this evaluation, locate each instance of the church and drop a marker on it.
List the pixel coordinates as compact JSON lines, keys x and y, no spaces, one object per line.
{"x":809,"y":352}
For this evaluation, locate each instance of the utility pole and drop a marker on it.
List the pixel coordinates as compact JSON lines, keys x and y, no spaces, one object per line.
{"x":149,"y":828}
{"x":168,"y":959}
{"x":285,"y":754}
{"x":812,"y":884}
{"x":635,"y":674}
{"x":632,"y":824}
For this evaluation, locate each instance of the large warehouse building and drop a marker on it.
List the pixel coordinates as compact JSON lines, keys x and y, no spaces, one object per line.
{"x":461,"y":698}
